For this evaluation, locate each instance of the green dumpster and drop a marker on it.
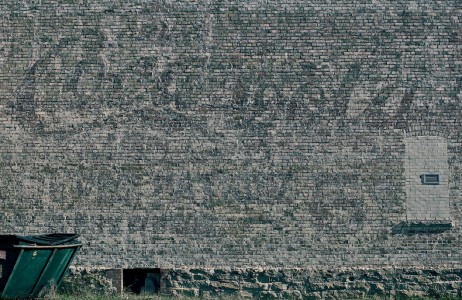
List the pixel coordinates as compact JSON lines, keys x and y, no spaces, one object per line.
{"x":30,"y":263}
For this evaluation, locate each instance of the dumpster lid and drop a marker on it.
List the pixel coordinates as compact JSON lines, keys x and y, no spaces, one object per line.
{"x":44,"y":239}
{"x":49,"y":239}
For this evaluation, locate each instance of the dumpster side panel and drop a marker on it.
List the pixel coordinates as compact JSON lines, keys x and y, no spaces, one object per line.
{"x":57,"y":265}
{"x":26,"y":272}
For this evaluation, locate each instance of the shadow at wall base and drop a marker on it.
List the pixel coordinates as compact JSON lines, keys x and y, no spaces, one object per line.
{"x":141,"y":281}
{"x":135,"y":281}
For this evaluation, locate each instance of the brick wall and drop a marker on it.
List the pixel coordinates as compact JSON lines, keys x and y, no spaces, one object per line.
{"x":213,"y":134}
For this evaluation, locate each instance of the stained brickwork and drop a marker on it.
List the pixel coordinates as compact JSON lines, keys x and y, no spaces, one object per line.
{"x":228,"y":133}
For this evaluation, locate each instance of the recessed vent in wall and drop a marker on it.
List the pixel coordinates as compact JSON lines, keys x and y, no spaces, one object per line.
{"x":430,"y":179}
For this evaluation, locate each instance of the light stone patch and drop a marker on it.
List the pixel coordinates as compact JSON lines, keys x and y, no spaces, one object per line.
{"x":427,"y":155}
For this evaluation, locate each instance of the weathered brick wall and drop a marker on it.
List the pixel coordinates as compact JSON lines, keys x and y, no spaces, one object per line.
{"x":228,"y":133}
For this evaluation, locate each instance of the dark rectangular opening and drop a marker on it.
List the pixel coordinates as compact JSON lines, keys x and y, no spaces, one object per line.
{"x":137,"y":281}
{"x":430,"y":179}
